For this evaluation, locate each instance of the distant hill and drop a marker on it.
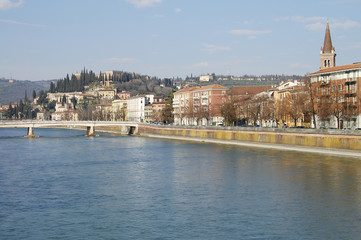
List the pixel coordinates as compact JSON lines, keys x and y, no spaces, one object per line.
{"x":11,"y":92}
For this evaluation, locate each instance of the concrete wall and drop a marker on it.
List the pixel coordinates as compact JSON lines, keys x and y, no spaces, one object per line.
{"x":351,"y":142}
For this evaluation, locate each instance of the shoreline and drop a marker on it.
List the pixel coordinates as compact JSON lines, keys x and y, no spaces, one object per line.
{"x":283,"y":147}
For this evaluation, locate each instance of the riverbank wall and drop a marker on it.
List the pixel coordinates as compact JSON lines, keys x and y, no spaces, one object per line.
{"x":308,"y":139}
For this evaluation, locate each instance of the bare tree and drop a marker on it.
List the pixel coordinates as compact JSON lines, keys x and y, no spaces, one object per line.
{"x":311,"y":92}
{"x":282,"y":110}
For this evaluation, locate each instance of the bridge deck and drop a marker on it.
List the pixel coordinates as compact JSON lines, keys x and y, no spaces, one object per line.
{"x":49,"y":124}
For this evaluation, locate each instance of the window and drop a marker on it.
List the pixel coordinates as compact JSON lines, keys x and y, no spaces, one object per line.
{"x":340,"y":87}
{"x":334,"y":88}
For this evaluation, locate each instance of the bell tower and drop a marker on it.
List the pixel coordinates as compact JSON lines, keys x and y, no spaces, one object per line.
{"x":328,"y":54}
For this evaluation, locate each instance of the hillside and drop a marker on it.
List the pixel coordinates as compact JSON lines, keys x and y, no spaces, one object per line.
{"x":11,"y":92}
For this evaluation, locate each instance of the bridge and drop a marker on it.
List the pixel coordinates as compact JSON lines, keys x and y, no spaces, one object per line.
{"x":126,"y":127}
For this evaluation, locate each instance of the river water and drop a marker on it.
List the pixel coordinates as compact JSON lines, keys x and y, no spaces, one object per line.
{"x":64,"y":185}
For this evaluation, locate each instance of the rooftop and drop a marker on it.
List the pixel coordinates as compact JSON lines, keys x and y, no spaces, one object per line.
{"x":338,"y":68}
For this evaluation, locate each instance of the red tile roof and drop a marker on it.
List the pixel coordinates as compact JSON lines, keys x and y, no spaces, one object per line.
{"x":199,"y":88}
{"x":249,"y":90}
{"x":338,"y":68}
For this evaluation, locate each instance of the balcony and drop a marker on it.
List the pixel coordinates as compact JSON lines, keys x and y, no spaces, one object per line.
{"x":350,"y":93}
{"x":350,"y":80}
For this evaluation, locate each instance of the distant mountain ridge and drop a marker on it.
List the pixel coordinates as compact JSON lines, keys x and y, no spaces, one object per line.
{"x":11,"y":91}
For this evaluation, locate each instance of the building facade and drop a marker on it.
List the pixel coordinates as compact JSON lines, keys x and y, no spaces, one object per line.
{"x":199,"y":105}
{"x":336,"y":90}
{"x":136,"y":107}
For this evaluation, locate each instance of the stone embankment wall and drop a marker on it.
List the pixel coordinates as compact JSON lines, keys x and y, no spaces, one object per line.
{"x":339,"y":141}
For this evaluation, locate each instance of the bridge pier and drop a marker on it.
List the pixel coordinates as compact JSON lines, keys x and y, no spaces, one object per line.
{"x":124,"y":130}
{"x":31,"y":133}
{"x":90,"y":131}
{"x":133,"y":130}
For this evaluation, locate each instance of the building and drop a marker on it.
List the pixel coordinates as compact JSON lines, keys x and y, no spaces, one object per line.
{"x":199,"y":105}
{"x":136,"y":107}
{"x":157,"y":111}
{"x":119,"y":109}
{"x":107,"y":93}
{"x":253,"y":105}
{"x":158,"y":99}
{"x":148,"y":113}
{"x":205,"y":78}
{"x":123,"y":95}
{"x":58,"y":97}
{"x":103,"y":112}
{"x":69,"y":115}
{"x":336,"y":91}
{"x":63,"y":112}
{"x":292,"y":105}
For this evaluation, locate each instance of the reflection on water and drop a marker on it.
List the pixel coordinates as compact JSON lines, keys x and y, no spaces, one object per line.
{"x":66,"y":186}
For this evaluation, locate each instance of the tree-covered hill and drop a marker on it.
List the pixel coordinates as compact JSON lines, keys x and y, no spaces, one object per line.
{"x":13,"y":91}
{"x":123,"y":81}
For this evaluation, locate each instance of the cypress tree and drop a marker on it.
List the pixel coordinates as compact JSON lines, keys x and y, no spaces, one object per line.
{"x":34,"y":94}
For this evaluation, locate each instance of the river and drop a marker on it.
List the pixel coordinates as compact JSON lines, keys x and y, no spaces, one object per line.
{"x":64,"y":185}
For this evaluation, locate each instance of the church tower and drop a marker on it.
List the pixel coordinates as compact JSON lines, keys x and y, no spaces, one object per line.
{"x":328,"y":54}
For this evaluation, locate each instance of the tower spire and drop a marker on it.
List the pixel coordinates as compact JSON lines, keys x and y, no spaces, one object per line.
{"x":328,"y":54}
{"x":327,"y":44}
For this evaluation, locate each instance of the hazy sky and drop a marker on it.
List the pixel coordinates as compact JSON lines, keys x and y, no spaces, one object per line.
{"x":46,"y":39}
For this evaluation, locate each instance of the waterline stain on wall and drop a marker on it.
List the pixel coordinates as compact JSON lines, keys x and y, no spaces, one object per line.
{"x":300,"y":139}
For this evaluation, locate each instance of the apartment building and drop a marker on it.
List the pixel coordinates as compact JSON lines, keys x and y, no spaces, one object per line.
{"x":336,"y":90}
{"x":199,"y":105}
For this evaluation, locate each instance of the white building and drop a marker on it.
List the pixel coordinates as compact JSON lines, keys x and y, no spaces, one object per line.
{"x":205,"y":78}
{"x":136,"y":107}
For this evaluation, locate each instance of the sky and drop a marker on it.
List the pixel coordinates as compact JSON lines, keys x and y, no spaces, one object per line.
{"x":43,"y":40}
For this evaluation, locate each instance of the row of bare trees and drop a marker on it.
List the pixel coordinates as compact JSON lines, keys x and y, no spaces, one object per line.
{"x":195,"y":114}
{"x":312,"y":104}
{"x":272,"y":108}
{"x":248,"y":110}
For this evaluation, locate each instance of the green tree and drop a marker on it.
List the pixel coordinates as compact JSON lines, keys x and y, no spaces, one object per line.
{"x":51,"y":106}
{"x":26,"y":97}
{"x":52,"y":87}
{"x":74,"y":101}
{"x":10,"y":112}
{"x":34,"y":94}
{"x":63,"y":101}
{"x":167,"y":112}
